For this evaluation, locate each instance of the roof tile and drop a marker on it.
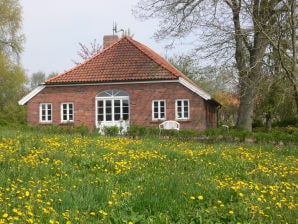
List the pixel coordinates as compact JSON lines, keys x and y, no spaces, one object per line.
{"x":125,"y":60}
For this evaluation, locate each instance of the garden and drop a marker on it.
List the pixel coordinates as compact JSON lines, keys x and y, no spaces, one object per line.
{"x":74,"y":178}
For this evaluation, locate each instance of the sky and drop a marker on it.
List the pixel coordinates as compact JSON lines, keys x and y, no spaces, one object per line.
{"x":54,"y":28}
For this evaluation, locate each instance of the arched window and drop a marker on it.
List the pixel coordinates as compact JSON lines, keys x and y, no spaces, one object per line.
{"x":112,"y":106}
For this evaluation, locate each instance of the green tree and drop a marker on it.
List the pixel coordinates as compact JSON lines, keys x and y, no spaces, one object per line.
{"x":224,"y":28}
{"x":12,"y":77}
{"x":12,"y":81}
{"x":11,"y":39}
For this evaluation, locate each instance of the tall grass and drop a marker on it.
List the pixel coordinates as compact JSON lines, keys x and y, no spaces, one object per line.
{"x":47,"y":178}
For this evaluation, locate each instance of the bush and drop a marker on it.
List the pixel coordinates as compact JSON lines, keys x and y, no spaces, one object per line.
{"x":287,"y":122}
{"x":81,"y":129}
{"x":111,"y":131}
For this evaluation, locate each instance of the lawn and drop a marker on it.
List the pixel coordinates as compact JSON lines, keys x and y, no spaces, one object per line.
{"x":47,"y":178}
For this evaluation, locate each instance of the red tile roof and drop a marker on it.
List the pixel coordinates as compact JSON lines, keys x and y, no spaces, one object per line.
{"x":125,"y":60}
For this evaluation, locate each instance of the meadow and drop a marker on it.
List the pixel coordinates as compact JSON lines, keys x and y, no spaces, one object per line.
{"x":50,"y":178}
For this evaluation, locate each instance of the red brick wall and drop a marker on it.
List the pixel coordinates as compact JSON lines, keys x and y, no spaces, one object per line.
{"x":202,"y":113}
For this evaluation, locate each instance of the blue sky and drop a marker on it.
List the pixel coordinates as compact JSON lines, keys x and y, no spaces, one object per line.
{"x":53,"y":29}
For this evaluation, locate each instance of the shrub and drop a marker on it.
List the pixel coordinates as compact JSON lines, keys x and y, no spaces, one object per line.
{"x":81,"y":129}
{"x":287,"y":122}
{"x":111,"y":131}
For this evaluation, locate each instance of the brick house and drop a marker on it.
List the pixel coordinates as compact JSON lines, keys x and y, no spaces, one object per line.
{"x":124,"y":84}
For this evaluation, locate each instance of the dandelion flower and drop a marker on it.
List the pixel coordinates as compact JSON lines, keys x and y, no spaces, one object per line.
{"x":5,"y":215}
{"x":200,"y":197}
{"x":192,"y":198}
{"x":231,"y":212}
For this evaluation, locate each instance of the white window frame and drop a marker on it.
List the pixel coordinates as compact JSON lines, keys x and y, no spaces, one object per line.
{"x":67,"y":112}
{"x":159,"y":110}
{"x":46,"y":110}
{"x":182,"y":109}
{"x":112,"y":95}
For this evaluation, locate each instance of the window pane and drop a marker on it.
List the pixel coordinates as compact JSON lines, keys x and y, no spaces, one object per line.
{"x":108,"y":103}
{"x":108,"y":117}
{"x":116,"y":103}
{"x":117,"y":117}
{"x":125,"y":110}
{"x":125,"y":116}
{"x":100,"y":117}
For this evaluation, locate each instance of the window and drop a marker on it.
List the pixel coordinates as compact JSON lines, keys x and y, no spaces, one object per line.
{"x":45,"y":112}
{"x":182,"y":109}
{"x":112,"y":106}
{"x":158,"y":109}
{"x":67,"y":110}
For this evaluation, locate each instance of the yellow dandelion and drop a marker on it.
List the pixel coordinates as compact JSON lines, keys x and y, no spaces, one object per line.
{"x":110,"y":202}
{"x":92,"y":213}
{"x":241,"y":194}
{"x":130,"y":222}
{"x":29,"y":220}
{"x":192,"y":198}
{"x":200,"y":197}
{"x":5,"y":215}
{"x":103,"y":212}
{"x":231,"y":212}
{"x":27,"y":193}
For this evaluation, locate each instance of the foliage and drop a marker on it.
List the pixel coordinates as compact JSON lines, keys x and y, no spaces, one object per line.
{"x":12,"y":75}
{"x":11,"y":39}
{"x":82,"y":129}
{"x":93,"y":179}
{"x":11,"y":85}
{"x":12,"y":114}
{"x":111,"y":131}
{"x":287,"y":122}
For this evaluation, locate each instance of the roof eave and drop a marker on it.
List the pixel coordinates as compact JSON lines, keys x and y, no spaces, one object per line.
{"x":195,"y":89}
{"x":30,"y":95}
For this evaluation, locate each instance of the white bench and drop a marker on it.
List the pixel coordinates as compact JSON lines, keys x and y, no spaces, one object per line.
{"x":169,"y":125}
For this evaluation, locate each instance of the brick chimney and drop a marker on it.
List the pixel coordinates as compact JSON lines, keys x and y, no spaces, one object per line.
{"x":109,"y":39}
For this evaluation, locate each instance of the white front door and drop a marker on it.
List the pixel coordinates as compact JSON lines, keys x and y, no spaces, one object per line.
{"x":112,"y":109}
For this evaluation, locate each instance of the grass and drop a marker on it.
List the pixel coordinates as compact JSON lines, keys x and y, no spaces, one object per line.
{"x":47,"y":178}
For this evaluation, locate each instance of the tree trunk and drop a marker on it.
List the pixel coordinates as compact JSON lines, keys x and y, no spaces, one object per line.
{"x":245,"y":112}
